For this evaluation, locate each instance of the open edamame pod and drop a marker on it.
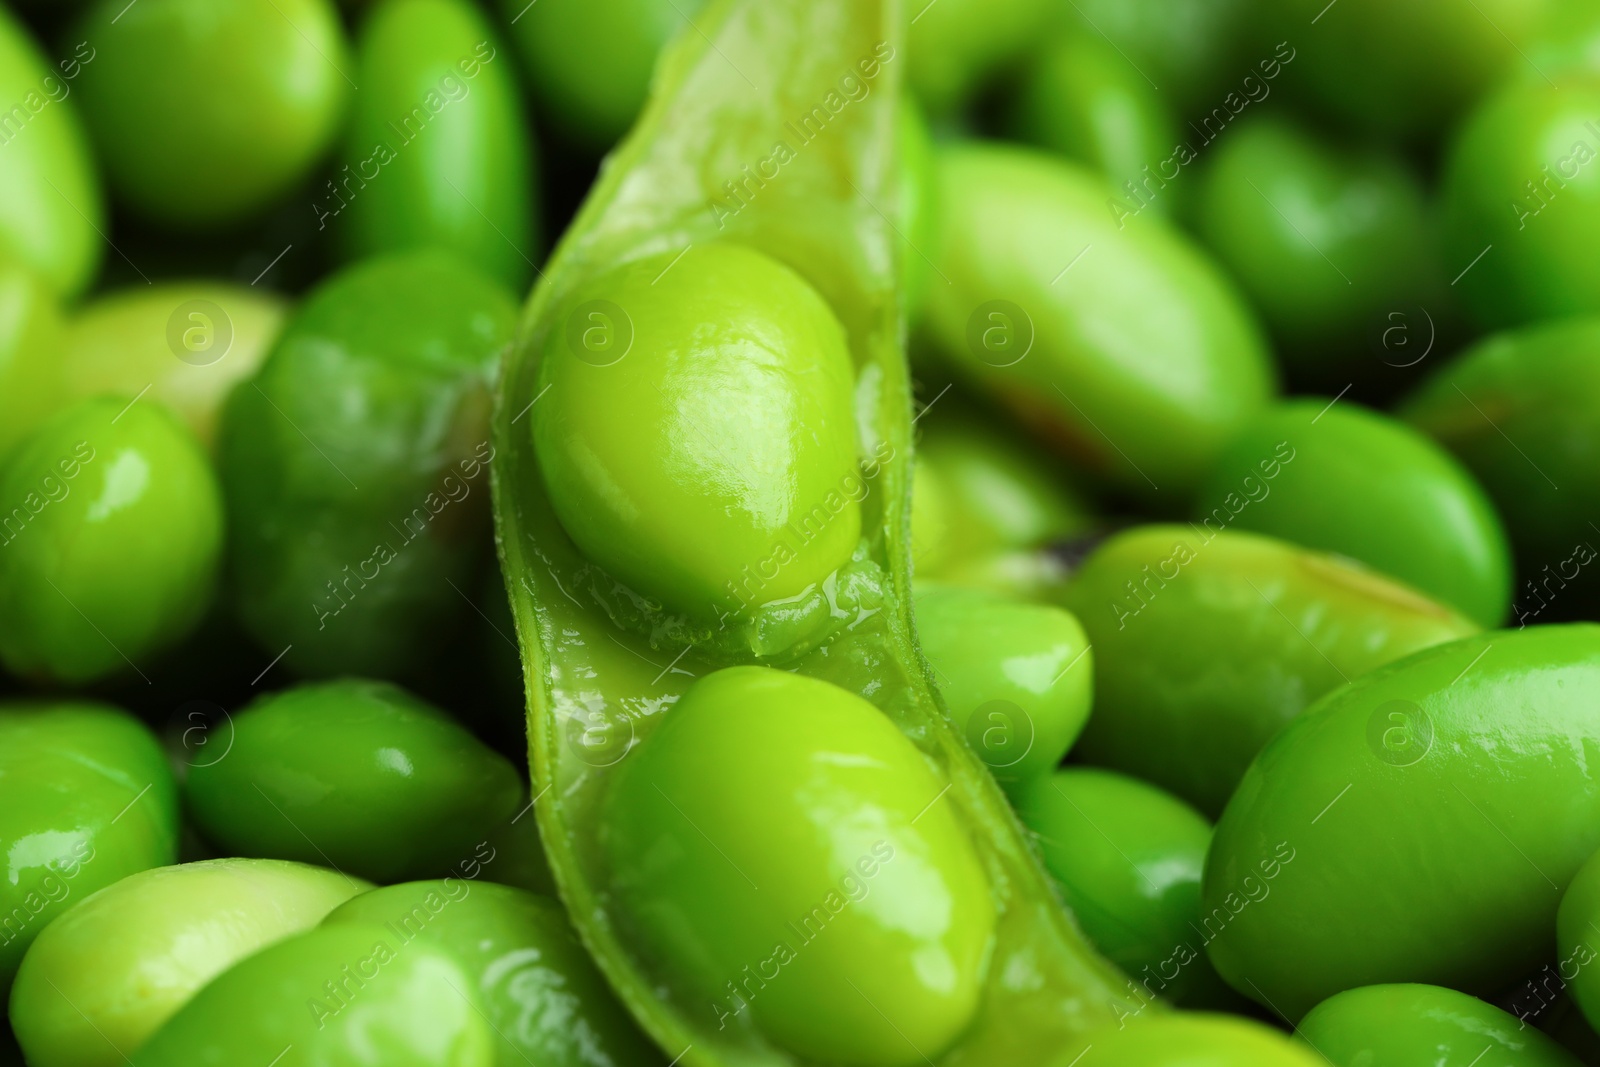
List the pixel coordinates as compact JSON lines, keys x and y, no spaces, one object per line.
{"x":711,"y":370}
{"x":1417,"y":825}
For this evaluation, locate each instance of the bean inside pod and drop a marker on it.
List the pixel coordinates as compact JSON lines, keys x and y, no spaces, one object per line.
{"x":748,"y":788}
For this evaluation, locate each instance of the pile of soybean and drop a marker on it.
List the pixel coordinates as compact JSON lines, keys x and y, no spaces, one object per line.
{"x":1215,"y":382}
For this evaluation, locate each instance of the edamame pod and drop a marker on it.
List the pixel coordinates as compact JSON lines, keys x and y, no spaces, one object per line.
{"x":608,"y":667}
{"x":109,"y":542}
{"x":540,"y":991}
{"x":1070,"y":347}
{"x":86,"y":798}
{"x":1522,"y":411}
{"x":438,"y":153}
{"x":106,"y":975}
{"x":1369,"y":487}
{"x":359,"y":775}
{"x":1207,"y":642}
{"x":1403,"y":1025}
{"x":1474,"y":759}
{"x":189,"y":343}
{"x":336,"y":996}
{"x":51,"y":205}
{"x":354,"y":466}
{"x":203,"y":115}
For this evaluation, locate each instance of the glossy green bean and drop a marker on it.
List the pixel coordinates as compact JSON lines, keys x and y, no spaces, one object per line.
{"x":1182,"y":620}
{"x":86,"y":798}
{"x":1474,"y":759}
{"x":104,"y":977}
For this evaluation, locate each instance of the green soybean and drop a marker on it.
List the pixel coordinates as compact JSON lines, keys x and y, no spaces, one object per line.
{"x":1017,"y":677}
{"x":51,"y":205}
{"x":189,"y":342}
{"x":438,"y":152}
{"x":1190,"y":50}
{"x":1405,"y":70}
{"x":628,"y":440}
{"x":1369,"y":487}
{"x":1193,"y":1040}
{"x":1069,"y":347}
{"x":1128,"y":858}
{"x":1577,"y":942}
{"x":958,"y":48}
{"x":1473,"y":758}
{"x":988,"y":492}
{"x":86,"y":798}
{"x":360,"y":775}
{"x":1522,"y":411}
{"x":1328,"y":242}
{"x":540,"y":991}
{"x":1182,"y":621}
{"x":32,"y":385}
{"x":817,"y":961}
{"x":1080,"y":98}
{"x":339,"y":996}
{"x":1401,"y":1025}
{"x":106,"y":975}
{"x":354,"y":465}
{"x":590,"y":61}
{"x":607,"y":665}
{"x":109,"y":543}
{"x":190,"y":133}
{"x":1519,"y":176}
